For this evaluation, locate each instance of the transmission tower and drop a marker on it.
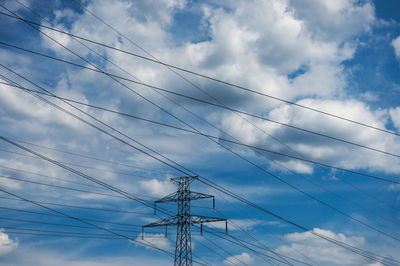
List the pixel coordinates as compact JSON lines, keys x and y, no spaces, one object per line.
{"x":184,"y":219}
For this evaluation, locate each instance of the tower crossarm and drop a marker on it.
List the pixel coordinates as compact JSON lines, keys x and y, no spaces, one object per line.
{"x":194,"y":219}
{"x":198,"y":219}
{"x":184,"y":220}
{"x":191,"y":195}
{"x":164,"y":222}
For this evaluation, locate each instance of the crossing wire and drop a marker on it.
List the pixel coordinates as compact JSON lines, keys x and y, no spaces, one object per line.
{"x":194,"y":85}
{"x":90,"y":208}
{"x":58,"y":216}
{"x":200,"y":133}
{"x":274,"y":176}
{"x":86,"y":222}
{"x":334,"y":241}
{"x":19,"y":145}
{"x":354,"y":204}
{"x":79,"y":165}
{"x":210,"y":103}
{"x":41,"y":156}
{"x":356,"y":252}
{"x":201,"y":75}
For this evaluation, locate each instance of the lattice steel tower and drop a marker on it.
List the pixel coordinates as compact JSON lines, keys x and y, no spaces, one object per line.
{"x":184,"y":219}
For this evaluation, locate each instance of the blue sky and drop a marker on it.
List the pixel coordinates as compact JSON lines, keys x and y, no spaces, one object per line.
{"x":341,"y":57}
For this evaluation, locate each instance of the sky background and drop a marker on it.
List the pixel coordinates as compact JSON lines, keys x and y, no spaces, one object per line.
{"x":340,"y":56}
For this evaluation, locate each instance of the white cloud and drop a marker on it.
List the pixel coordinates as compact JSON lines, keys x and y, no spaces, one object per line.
{"x":369,"y":96}
{"x":326,"y":253}
{"x":395,"y":116}
{"x":375,"y":264}
{"x":281,"y":37}
{"x":290,"y":49}
{"x":233,"y":224}
{"x":156,"y":240}
{"x":319,"y":148}
{"x":322,"y":251}
{"x":157,"y":188}
{"x":241,"y":258}
{"x":6,"y":243}
{"x":396,"y":46}
{"x":36,"y":255}
{"x":334,"y":20}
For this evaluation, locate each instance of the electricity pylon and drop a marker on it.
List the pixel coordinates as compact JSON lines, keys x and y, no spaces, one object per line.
{"x":184,"y":219}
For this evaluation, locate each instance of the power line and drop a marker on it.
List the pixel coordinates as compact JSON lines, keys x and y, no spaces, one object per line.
{"x":204,"y":134}
{"x":94,"y":66}
{"x":81,"y":207}
{"x":69,"y":225}
{"x":361,"y":252}
{"x":47,"y":176}
{"x":63,"y":187}
{"x":202,"y":75}
{"x":178,"y":74}
{"x":342,"y":243}
{"x":287,"y":183}
{"x":87,"y":156}
{"x":328,"y":205}
{"x":60,"y":216}
{"x":78,"y":165}
{"x":355,"y":204}
{"x":98,"y":128}
{"x":351,"y":249}
{"x":104,"y":124}
{"x":184,"y":219}
{"x":85,"y":222}
{"x":119,"y":191}
{"x":64,"y":47}
{"x":212,"y":104}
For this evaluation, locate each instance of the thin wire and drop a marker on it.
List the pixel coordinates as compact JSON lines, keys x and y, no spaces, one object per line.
{"x":307,"y":194}
{"x":80,"y":207}
{"x":342,"y":244}
{"x":63,"y":187}
{"x":280,"y":179}
{"x":49,"y":177}
{"x":361,"y":252}
{"x":351,"y":249}
{"x":113,"y":76}
{"x":167,"y":67}
{"x":79,"y":165}
{"x":85,"y":155}
{"x":206,"y":135}
{"x":119,"y":191}
{"x":201,"y":75}
{"x":58,"y":216}
{"x":261,"y":243}
{"x":83,"y":221}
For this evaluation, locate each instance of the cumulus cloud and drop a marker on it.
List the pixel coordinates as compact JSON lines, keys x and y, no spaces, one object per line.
{"x":396,"y":46}
{"x":240,"y":258}
{"x":293,"y":49}
{"x":324,"y":252}
{"x":157,"y":188}
{"x":156,"y":240}
{"x":6,"y":243}
{"x":319,"y":148}
{"x":395,"y":116}
{"x":33,"y":255}
{"x":281,"y":38}
{"x":237,"y":224}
